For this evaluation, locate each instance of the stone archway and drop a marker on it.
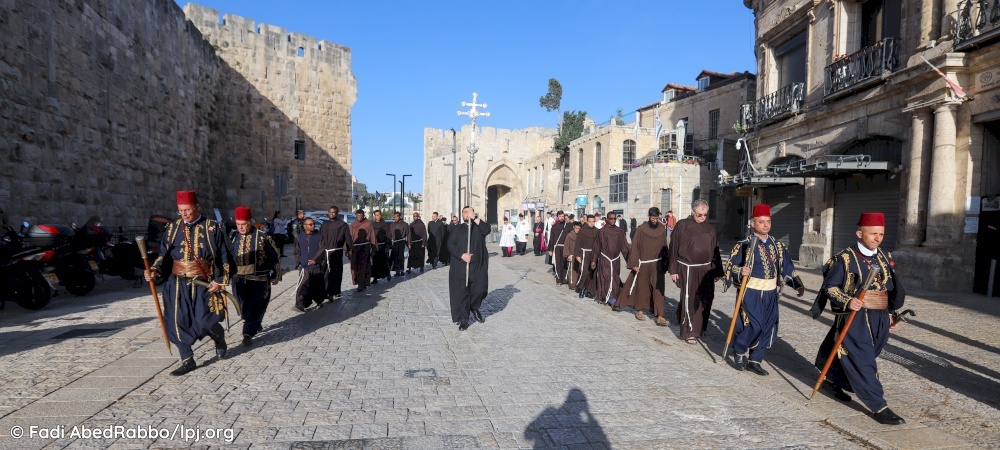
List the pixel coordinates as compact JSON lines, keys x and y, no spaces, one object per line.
{"x":502,"y":192}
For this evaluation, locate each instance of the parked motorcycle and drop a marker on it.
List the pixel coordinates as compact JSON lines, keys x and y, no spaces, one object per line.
{"x":21,"y":274}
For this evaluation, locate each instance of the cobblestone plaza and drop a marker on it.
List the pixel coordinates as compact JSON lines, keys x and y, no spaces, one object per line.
{"x":387,"y":369}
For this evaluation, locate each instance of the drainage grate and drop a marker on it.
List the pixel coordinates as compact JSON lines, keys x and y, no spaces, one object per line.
{"x":87,"y":333}
{"x":421,"y":373}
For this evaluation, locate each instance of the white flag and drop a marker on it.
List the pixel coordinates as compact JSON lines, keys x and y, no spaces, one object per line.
{"x":636,"y":133}
{"x":659,"y":128}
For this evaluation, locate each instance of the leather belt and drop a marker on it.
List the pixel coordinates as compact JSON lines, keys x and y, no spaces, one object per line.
{"x":253,"y":277}
{"x":762,"y":284}
{"x":190,"y":269}
{"x":876,"y":300}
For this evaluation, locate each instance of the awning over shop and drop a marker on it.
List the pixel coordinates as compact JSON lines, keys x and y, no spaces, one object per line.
{"x":829,"y":166}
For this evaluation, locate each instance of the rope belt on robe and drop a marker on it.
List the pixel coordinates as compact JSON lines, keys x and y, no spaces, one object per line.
{"x":611,"y":265}
{"x":687,"y":290}
{"x":328,"y":255}
{"x":583,"y":264}
{"x":636,"y":277}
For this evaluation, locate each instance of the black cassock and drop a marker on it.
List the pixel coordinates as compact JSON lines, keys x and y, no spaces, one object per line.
{"x":443,"y":254}
{"x":380,"y":257}
{"x":435,"y":231}
{"x":467,"y":297}
{"x":417,"y":240}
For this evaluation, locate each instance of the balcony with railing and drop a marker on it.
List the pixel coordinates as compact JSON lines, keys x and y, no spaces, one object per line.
{"x":665,"y":156}
{"x":861,"y":69}
{"x":775,"y":106}
{"x":978,"y":23}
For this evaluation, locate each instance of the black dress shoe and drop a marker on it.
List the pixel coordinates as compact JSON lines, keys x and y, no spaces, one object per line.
{"x":741,"y":362}
{"x":464,"y":325}
{"x":187,"y":366}
{"x":887,"y":417}
{"x":219,"y":336}
{"x":836,"y":391}
{"x":479,"y":316}
{"x":755,"y":367}
{"x":579,"y":294}
{"x":247,"y":340}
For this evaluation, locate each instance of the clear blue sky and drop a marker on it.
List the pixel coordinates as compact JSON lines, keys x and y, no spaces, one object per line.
{"x":416,"y":61}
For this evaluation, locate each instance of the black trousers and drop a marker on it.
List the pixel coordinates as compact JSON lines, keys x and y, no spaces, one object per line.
{"x":521,"y":247}
{"x":312,"y":288}
{"x":335,"y":273}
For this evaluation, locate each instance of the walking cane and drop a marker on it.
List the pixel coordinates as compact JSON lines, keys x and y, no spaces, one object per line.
{"x":140,"y":241}
{"x":847,"y":326}
{"x":739,"y":298}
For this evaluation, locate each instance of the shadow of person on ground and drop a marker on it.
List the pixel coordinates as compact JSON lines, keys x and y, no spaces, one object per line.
{"x":570,"y":425}
{"x":497,"y":300}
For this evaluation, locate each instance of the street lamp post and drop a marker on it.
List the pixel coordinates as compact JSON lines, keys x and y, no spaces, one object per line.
{"x":473,"y":114}
{"x":402,"y":191}
{"x":454,"y":172}
{"x":393,"y":188}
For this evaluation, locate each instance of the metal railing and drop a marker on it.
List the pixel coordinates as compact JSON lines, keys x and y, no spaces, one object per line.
{"x":978,"y":20}
{"x":784,"y":101}
{"x":862,"y":67}
{"x":667,"y":157}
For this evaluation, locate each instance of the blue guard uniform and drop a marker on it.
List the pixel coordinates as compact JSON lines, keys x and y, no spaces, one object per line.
{"x":757,"y":324}
{"x":855,"y":367}
{"x":257,"y":265}
{"x":193,"y":250}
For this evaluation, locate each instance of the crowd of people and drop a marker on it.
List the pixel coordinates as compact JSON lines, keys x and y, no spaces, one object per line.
{"x":198,"y":260}
{"x":587,"y":256}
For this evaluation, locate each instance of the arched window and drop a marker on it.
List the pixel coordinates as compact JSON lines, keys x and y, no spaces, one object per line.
{"x":597,"y":163}
{"x":695,"y":194}
{"x":628,"y":153}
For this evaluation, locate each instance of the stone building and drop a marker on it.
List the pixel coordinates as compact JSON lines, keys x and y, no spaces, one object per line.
{"x":624,"y":168}
{"x":506,"y":167}
{"x":111,"y":106}
{"x":850,"y":118}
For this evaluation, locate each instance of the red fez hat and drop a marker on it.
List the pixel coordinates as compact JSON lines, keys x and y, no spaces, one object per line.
{"x":872,"y":219}
{"x":761,"y":210}
{"x":187,"y":198}
{"x":243,"y":213}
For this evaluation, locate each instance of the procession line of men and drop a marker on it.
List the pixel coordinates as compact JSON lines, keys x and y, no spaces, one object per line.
{"x":588,"y":259}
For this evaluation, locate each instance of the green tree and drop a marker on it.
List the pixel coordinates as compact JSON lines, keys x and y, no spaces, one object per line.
{"x":552,"y":100}
{"x":572,"y":129}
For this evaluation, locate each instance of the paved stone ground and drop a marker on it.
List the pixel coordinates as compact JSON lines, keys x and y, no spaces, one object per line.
{"x":387,"y":369}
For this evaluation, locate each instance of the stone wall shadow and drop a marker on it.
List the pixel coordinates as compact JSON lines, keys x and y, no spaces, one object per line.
{"x":568,"y":425}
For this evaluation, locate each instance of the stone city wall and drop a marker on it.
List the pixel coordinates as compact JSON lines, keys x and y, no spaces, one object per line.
{"x":108,"y":107}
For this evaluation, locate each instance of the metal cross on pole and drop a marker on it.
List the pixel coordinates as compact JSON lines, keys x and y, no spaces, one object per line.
{"x":473,"y":113}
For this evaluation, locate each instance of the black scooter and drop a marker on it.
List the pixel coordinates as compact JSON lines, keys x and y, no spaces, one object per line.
{"x":21,"y":276}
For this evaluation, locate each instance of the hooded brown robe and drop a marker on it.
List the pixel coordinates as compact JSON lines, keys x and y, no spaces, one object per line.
{"x":643,"y":289}
{"x":612,"y":245}
{"x":586,"y":243}
{"x":694,"y":257}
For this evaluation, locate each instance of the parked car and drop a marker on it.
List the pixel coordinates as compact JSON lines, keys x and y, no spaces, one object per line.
{"x":323,"y":216}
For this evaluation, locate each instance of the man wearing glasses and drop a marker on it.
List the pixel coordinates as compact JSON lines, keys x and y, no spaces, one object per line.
{"x":695,"y":265}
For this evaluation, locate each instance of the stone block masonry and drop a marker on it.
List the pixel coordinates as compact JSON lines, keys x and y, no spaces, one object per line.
{"x":108,"y":106}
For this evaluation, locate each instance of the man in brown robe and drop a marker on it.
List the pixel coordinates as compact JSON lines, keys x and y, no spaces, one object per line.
{"x":399,"y":235}
{"x":363,"y":242}
{"x":695,"y":265}
{"x":611,"y":246}
{"x":569,"y":249}
{"x":416,"y":240}
{"x":556,"y":248}
{"x":644,"y":287}
{"x":586,"y":258}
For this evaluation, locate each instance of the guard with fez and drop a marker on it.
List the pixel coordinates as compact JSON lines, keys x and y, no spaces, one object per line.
{"x":759,"y":265}
{"x":257,"y":268}
{"x":194,"y":263}
{"x":864,"y":293}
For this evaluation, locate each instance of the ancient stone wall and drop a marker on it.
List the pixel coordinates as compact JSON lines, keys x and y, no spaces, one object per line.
{"x":109,"y":106}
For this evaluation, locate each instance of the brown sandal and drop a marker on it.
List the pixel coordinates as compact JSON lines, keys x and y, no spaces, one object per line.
{"x":661,"y":321}
{"x":640,"y":316}
{"x":691,"y":340}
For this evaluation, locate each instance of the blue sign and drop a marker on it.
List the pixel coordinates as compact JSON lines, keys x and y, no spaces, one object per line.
{"x":581,"y":200}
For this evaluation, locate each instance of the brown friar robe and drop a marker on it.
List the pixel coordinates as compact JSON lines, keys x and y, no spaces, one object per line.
{"x":586,"y":242}
{"x":557,"y":246}
{"x":572,"y":267}
{"x":694,"y":257}
{"x":643,"y":289}
{"x":611,"y":247}
{"x":363,"y":243}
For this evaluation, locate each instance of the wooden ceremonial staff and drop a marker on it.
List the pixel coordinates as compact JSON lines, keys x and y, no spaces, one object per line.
{"x":739,"y":298}
{"x":843,"y":332}
{"x":140,"y":241}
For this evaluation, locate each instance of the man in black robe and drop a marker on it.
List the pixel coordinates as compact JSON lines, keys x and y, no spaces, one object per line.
{"x":539,"y":230}
{"x":399,"y":235}
{"x":192,"y":247}
{"x":312,"y":279}
{"x":380,"y":255}
{"x":443,"y":254}
{"x":334,"y":234}
{"x":435,"y":232}
{"x":416,"y":239}
{"x":363,"y":243}
{"x":468,"y":281}
{"x":257,"y":268}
